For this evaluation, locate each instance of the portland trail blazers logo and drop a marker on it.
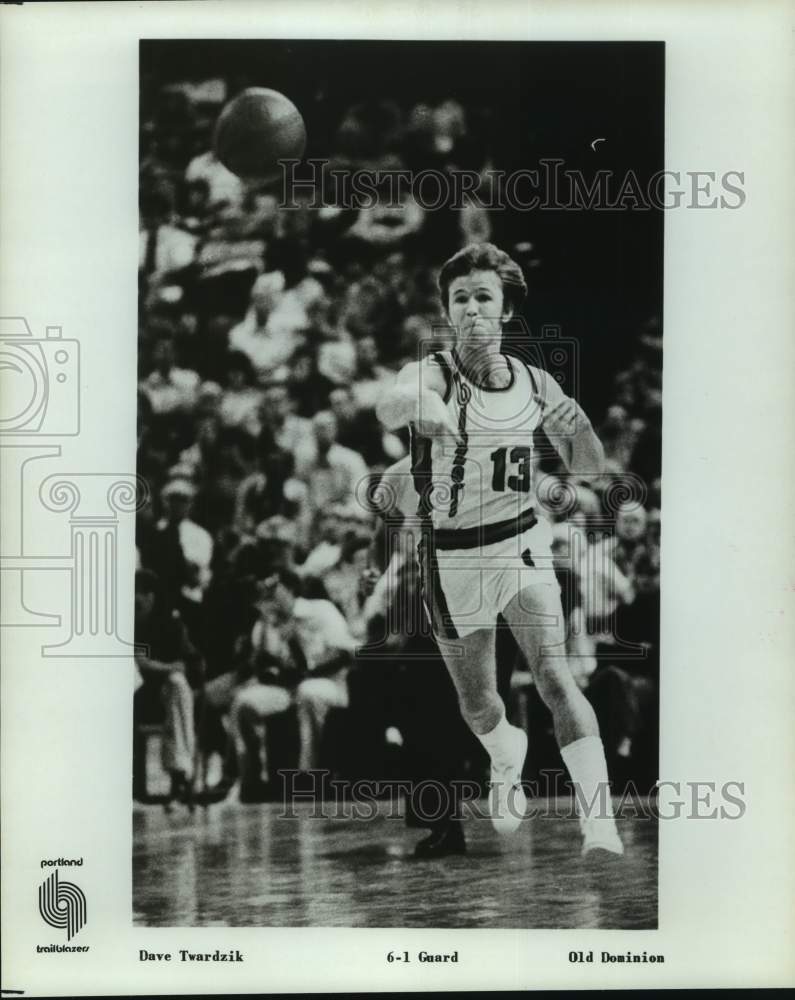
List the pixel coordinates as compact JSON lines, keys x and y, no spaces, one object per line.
{"x":62,"y":904}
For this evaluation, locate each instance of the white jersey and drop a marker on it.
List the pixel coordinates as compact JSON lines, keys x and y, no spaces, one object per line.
{"x":488,"y":477}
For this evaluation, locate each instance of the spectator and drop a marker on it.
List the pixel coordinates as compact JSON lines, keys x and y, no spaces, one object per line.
{"x":580,"y":645}
{"x":307,"y":387}
{"x":319,"y":634}
{"x":358,"y":430}
{"x":327,"y":550}
{"x":342,"y":581}
{"x":224,"y":188}
{"x":196,"y":216}
{"x":331,"y":471}
{"x":219,"y":461}
{"x":240,"y":403}
{"x":619,"y":435}
{"x":165,"y":250}
{"x":169,"y":389}
{"x":336,"y":361}
{"x":169,"y":666}
{"x":260,"y":497}
{"x":370,"y":378}
{"x":287,"y":430}
{"x":271,"y":330}
{"x":178,"y":550}
{"x":601,"y":586}
{"x":261,"y":687}
{"x":385,"y":226}
{"x":629,"y":543}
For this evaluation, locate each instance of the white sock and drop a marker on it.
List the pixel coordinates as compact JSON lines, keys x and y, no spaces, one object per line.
{"x":499,"y":742}
{"x":585,"y":759}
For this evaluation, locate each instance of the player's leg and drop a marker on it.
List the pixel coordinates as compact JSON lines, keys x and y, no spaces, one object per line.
{"x":471,"y":663}
{"x":436,"y":740}
{"x":535,"y":617}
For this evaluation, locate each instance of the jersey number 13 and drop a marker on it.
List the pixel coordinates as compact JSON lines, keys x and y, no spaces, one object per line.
{"x":518,"y":481}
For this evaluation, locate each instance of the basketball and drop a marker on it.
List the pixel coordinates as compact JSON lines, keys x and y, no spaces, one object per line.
{"x":255,"y":130}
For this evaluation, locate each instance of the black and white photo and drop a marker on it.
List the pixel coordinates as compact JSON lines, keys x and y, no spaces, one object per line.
{"x":395,"y":588}
{"x":400,"y":413}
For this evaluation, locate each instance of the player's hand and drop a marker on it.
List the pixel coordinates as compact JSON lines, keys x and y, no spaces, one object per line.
{"x":438,"y":430}
{"x":562,"y":420}
{"x":435,"y":421}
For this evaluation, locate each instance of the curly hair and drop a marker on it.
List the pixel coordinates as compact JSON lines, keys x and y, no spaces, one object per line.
{"x":485,"y":257}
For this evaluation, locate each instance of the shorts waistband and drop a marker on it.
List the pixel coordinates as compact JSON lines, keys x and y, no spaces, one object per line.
{"x":483,"y":534}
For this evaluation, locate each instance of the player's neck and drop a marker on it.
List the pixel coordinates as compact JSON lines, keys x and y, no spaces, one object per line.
{"x":484,"y":366}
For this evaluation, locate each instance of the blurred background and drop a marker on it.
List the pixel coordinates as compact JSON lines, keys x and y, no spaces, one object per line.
{"x":266,"y":336}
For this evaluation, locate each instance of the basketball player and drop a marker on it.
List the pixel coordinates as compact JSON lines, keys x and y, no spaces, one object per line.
{"x":471,"y":413}
{"x":419,"y":696}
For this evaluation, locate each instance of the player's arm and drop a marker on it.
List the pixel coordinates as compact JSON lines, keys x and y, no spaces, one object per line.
{"x":417,"y":398}
{"x":568,"y":428}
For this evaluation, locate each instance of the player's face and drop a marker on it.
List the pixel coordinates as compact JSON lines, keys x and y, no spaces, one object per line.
{"x":476,"y":305}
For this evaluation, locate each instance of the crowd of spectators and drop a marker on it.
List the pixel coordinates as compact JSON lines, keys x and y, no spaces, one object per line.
{"x":266,"y":336}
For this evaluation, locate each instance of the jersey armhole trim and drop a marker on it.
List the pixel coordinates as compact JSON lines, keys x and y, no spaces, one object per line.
{"x":444,"y":364}
{"x":533,"y":382}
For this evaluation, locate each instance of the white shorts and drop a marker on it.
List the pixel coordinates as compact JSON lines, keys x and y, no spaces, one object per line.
{"x":464,"y":589}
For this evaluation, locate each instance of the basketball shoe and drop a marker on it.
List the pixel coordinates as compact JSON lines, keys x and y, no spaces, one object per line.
{"x":600,"y":839}
{"x":507,"y":800}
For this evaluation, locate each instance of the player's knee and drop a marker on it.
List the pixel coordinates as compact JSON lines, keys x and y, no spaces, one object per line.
{"x":481,"y":713}
{"x":554,"y":680}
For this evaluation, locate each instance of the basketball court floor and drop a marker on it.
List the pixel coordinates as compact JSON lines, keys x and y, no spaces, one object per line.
{"x":241,"y":865}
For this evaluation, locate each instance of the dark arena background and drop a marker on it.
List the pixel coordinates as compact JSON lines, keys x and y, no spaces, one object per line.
{"x":265,"y":796}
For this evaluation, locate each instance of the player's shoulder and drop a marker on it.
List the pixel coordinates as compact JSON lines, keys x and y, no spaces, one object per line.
{"x":440,"y":367}
{"x":431,"y":372}
{"x":542,"y":383}
{"x":433,"y":361}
